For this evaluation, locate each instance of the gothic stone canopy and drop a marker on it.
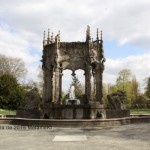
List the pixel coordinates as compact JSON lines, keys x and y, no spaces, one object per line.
{"x":58,"y":56}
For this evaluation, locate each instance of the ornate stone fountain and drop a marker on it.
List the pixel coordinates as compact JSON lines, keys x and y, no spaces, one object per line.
{"x":88,"y":56}
{"x":72,"y":98}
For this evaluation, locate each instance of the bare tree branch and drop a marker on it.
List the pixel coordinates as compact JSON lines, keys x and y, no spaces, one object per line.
{"x":12,"y":65}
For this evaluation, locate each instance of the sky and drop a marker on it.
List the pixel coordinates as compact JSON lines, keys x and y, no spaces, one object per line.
{"x":125,"y":25}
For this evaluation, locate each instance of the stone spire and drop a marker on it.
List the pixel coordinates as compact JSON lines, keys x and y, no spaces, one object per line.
{"x":48,"y":37}
{"x":102,"y":50}
{"x":88,"y":34}
{"x":101,"y":36}
{"x":52,"y":38}
{"x":97,"y":35}
{"x":59,"y":36}
{"x":44,"y":39}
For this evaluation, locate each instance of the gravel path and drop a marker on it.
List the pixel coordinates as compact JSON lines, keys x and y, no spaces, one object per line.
{"x":127,"y":137}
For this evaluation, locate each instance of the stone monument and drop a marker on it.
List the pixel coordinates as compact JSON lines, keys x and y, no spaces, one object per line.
{"x":58,"y":56}
{"x":121,"y":98}
{"x":117,"y":101}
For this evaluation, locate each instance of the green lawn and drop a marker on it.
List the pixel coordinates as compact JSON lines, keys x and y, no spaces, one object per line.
{"x":7,"y":112}
{"x":132,"y":111}
{"x":140,"y":111}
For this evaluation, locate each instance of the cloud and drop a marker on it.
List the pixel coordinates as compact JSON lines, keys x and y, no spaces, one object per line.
{"x":127,"y":22}
{"x":138,"y":64}
{"x":18,"y":44}
{"x":123,"y":21}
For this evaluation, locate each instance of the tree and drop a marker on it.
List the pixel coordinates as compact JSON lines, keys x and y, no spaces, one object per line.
{"x":135,"y":89}
{"x":123,"y":82}
{"x":113,"y":88}
{"x":13,"y":66}
{"x":11,"y":93}
{"x":147,"y":92}
{"x":124,"y":78}
{"x":79,"y":88}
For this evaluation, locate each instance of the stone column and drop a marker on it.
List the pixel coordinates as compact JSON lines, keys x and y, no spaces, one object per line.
{"x":88,"y":84}
{"x":47,"y":89}
{"x":94,"y":87}
{"x":57,"y":85}
{"x":53,"y":86}
{"x":60,"y":85}
{"x":101,"y":85}
{"x":98,"y":77}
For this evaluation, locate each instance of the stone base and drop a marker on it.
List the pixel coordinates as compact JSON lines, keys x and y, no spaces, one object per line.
{"x":28,"y":113}
{"x":88,"y":111}
{"x":91,"y":111}
{"x":117,"y":113}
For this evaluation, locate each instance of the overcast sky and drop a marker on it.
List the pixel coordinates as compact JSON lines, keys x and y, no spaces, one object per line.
{"x":125,"y":25}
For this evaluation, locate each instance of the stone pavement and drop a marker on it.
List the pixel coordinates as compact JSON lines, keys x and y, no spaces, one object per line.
{"x":127,"y":137}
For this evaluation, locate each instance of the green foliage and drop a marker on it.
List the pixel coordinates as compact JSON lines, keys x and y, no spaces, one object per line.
{"x":140,"y":111}
{"x":126,"y":82}
{"x":64,"y":97}
{"x":135,"y":89}
{"x":123,"y":78}
{"x":147,"y":92}
{"x":140,"y":102}
{"x":7,"y":112}
{"x":113,"y":88}
{"x":105,"y":93}
{"x":123,"y":82}
{"x":11,"y":93}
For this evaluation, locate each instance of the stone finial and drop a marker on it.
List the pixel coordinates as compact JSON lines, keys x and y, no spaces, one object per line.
{"x":52,"y":38}
{"x":44,"y":39}
{"x":102,"y":45}
{"x":88,"y":34}
{"x":57,"y":39}
{"x":59,"y":35}
{"x":48,"y":37}
{"x":101,"y":36}
{"x":97,"y":35}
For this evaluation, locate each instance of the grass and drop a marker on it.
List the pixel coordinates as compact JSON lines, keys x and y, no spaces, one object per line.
{"x":140,"y":111}
{"x":132,"y":111}
{"x":7,"y":112}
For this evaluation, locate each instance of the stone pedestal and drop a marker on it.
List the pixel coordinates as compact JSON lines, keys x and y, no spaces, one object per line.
{"x":117,"y":113}
{"x":88,"y":111}
{"x":28,"y":113}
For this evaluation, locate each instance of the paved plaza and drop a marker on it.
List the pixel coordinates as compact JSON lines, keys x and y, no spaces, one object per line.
{"x":127,"y":137}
